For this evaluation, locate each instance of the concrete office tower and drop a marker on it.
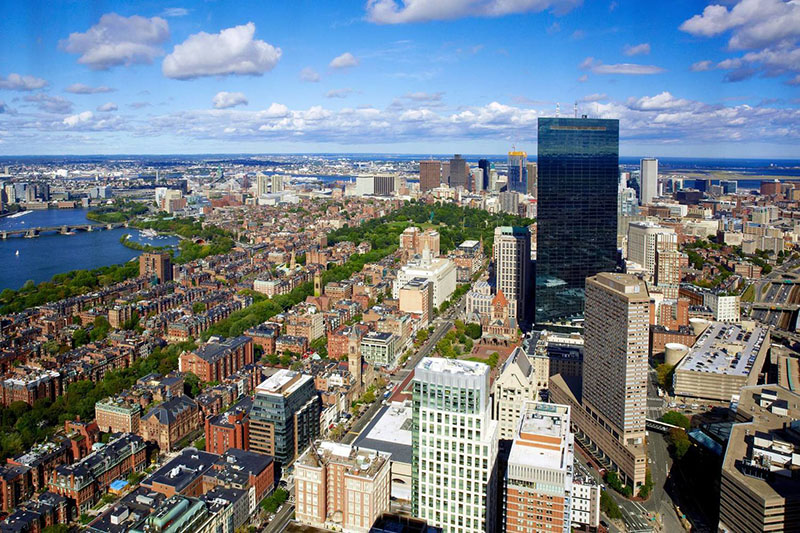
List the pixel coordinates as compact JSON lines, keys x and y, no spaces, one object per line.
{"x":532,"y":170}
{"x":509,"y":202}
{"x":644,"y":239}
{"x":285,"y":416}
{"x":609,"y":409}
{"x":454,"y":442}
{"x":616,"y":346}
{"x":486,"y":168}
{"x":667,"y":279}
{"x":476,"y":177}
{"x":459,"y":173}
{"x":512,"y":266}
{"x":648,"y":177}
{"x":445,"y":173}
{"x":430,"y":175}
{"x":577,"y":198}
{"x":342,"y":487}
{"x":517,"y":382}
{"x":377,"y":184}
{"x":157,"y":265}
{"x":538,"y":482}
{"x":518,"y":172}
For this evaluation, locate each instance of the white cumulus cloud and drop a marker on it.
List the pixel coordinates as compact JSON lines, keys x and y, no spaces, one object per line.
{"x":224,"y":100}
{"x":231,"y":51}
{"x":108,"y":106}
{"x":117,"y":40}
{"x":80,"y":88}
{"x":74,"y":120}
{"x":346,"y":60}
{"x":19,"y":82}
{"x":405,"y":11}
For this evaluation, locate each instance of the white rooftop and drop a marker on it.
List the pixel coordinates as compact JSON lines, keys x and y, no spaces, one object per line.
{"x":453,"y":366}
{"x":276,"y":382}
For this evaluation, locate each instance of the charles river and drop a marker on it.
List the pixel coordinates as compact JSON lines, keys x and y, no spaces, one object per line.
{"x":41,"y":258}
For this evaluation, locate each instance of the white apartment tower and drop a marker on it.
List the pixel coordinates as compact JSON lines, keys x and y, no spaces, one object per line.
{"x":454,"y":443}
{"x":648,"y":178}
{"x":644,"y":238}
{"x":512,"y":260}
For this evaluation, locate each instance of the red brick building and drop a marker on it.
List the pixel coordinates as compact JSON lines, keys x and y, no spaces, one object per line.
{"x":264,"y":335}
{"x":168,"y":423}
{"x":217,"y":360}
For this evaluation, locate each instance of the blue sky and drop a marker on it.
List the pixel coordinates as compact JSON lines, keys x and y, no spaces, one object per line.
{"x":685,"y":78}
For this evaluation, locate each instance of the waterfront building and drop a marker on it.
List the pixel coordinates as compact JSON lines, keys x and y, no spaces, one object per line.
{"x":342,"y":487}
{"x":454,"y":441}
{"x":157,"y":265}
{"x":578,"y":162}
{"x":512,"y":264}
{"x":285,"y":416}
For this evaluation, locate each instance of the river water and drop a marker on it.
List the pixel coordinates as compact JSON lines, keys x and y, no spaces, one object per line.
{"x":41,"y":258}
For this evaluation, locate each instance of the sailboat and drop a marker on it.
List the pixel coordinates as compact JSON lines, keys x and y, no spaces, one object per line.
{"x":17,"y":252}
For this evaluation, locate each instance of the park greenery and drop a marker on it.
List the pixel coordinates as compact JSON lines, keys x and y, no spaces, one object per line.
{"x":455,"y":225}
{"x":65,"y":285}
{"x":677,"y":419}
{"x":119,"y":212}
{"x":22,"y":425}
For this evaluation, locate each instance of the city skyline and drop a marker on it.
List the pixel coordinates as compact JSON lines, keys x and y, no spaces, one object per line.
{"x":391,"y":77}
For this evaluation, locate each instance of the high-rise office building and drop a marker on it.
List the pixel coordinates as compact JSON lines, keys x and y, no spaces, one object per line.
{"x":533,"y":178}
{"x":459,"y":173}
{"x":454,"y":443}
{"x":648,"y":178}
{"x":578,"y":162}
{"x":430,"y":175}
{"x":643,"y":238}
{"x":538,"y":480}
{"x":611,"y":411}
{"x":284,"y":419}
{"x":518,"y":172}
{"x":616,"y":342}
{"x":512,"y":266}
{"x":519,"y":379}
{"x":486,"y":167}
{"x":445,"y":173}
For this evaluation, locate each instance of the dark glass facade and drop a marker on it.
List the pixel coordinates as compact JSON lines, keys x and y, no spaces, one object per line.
{"x":518,"y":172}
{"x":577,"y":211}
{"x":485,"y":166}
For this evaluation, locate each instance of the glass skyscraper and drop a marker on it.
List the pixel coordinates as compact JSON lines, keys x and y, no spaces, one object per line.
{"x":577,"y":218}
{"x":518,"y":172}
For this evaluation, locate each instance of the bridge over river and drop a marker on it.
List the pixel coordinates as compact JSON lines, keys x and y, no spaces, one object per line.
{"x":67,"y":229}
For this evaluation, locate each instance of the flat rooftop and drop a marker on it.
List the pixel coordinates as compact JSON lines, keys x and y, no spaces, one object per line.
{"x":727,"y":349}
{"x":282,"y":382}
{"x":389,"y":431}
{"x":359,"y":462}
{"x":453,"y":366}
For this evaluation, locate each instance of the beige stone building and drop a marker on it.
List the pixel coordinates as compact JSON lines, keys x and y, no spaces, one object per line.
{"x":610,"y":406}
{"x":759,"y":489}
{"x":520,"y":379}
{"x":115,"y":415}
{"x":341,"y":487}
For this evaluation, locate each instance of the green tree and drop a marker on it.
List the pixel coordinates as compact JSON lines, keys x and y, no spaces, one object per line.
{"x":473,"y":330}
{"x":679,"y":443}
{"x":80,"y":337}
{"x":609,"y":506}
{"x":677,"y":419}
